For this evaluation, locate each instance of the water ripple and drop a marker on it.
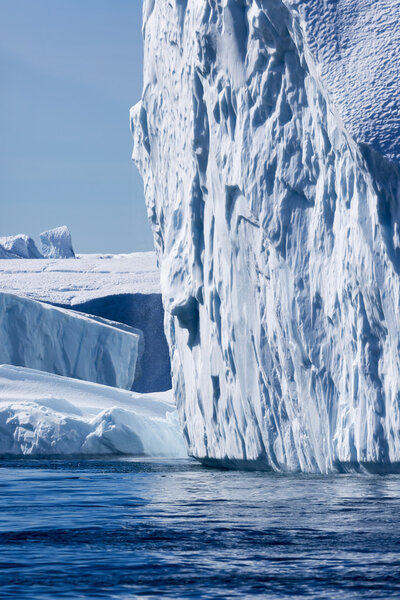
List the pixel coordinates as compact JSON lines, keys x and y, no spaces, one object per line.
{"x":173,"y":529}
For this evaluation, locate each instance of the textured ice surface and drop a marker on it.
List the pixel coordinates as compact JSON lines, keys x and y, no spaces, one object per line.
{"x":76,"y":281}
{"x":278,"y":239}
{"x":46,"y":414}
{"x":40,"y":336}
{"x":18,"y":246}
{"x":57,"y":243}
{"x":357,"y":46}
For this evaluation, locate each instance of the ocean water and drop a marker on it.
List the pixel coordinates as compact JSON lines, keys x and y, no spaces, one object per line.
{"x":174,"y":529}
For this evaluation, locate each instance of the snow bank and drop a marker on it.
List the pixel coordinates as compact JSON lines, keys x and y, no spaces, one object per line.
{"x":44,"y":414}
{"x":18,"y":246}
{"x":40,"y":336}
{"x":278,"y":239}
{"x":57,"y":243}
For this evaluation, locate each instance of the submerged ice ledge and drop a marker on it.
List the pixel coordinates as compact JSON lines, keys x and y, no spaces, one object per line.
{"x":45,"y":414}
{"x":279,"y":244}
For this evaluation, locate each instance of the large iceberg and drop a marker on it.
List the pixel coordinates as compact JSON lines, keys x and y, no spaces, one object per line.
{"x":44,"y":414}
{"x":57,"y":243}
{"x":278,"y":239}
{"x":18,"y":246}
{"x":40,"y":336}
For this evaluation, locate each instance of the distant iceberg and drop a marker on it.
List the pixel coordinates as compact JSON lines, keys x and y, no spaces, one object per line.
{"x":57,"y":243}
{"x":44,"y":414}
{"x":18,"y":246}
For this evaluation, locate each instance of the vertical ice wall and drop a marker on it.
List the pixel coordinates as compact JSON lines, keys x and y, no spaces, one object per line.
{"x":278,"y":239}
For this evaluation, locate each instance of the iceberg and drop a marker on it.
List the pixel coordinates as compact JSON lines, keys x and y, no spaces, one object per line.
{"x":45,"y":414}
{"x":119,"y":287}
{"x":40,"y":336}
{"x":278,"y":238}
{"x":18,"y":246}
{"x":57,"y":243}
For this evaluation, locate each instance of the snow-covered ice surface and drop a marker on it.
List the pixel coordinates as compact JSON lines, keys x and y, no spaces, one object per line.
{"x":278,"y":239}
{"x":64,"y":281}
{"x":45,"y":414}
{"x":357,"y":47}
{"x":18,"y":246}
{"x":37,"y":335}
{"x":57,"y":243}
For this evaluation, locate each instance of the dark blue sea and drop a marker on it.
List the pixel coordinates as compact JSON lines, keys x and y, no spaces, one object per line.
{"x":174,"y":529}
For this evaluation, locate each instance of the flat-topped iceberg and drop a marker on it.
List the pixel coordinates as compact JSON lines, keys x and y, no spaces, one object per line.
{"x":90,"y":276}
{"x":123,"y":288}
{"x":44,"y":414}
{"x":40,"y":336}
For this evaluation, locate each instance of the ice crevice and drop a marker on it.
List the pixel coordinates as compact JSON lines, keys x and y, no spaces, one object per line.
{"x":278,"y":241}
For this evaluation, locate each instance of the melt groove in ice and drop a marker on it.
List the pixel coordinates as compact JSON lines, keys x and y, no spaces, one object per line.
{"x":278,"y":239}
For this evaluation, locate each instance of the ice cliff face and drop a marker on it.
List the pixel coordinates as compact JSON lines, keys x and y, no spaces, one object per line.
{"x":278,"y":239}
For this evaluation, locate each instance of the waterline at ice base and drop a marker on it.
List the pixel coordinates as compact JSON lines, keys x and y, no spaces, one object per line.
{"x":277,"y":230}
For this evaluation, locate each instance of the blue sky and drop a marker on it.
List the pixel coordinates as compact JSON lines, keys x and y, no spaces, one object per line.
{"x":70,"y":70}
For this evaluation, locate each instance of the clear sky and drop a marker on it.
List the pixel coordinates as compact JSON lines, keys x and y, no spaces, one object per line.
{"x":69,"y":72}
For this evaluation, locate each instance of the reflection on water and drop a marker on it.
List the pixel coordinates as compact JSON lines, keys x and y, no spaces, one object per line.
{"x":151,"y":529}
